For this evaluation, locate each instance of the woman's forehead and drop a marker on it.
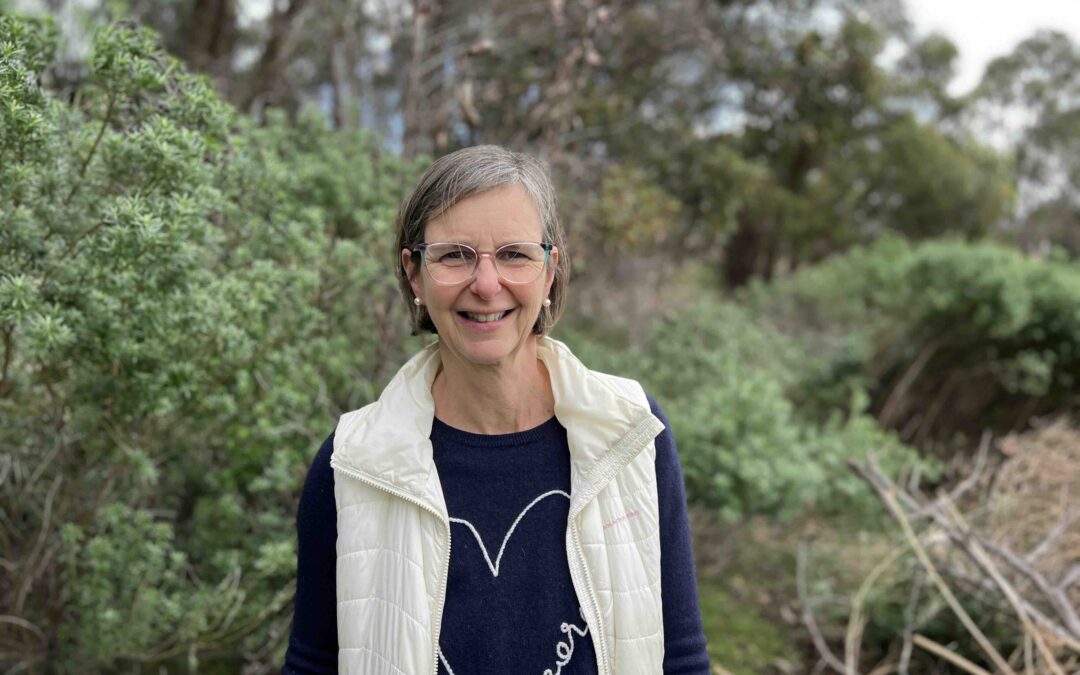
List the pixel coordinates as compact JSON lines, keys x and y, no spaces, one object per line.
{"x":502,"y":215}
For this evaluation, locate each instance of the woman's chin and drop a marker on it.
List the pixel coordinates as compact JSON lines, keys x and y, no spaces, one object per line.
{"x":486,"y":352}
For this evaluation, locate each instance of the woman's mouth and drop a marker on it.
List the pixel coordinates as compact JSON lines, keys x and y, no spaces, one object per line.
{"x":485,"y":317}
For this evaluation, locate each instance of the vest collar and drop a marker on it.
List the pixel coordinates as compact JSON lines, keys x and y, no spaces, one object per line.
{"x":388,"y":442}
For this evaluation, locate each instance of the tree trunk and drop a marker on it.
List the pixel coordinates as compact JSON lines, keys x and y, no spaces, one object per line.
{"x":268,"y":74}
{"x":743,"y":250}
{"x":211,"y":39}
{"x":422,"y":10}
{"x":340,"y":56}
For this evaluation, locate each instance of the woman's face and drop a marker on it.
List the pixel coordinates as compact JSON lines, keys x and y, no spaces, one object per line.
{"x":485,"y":222}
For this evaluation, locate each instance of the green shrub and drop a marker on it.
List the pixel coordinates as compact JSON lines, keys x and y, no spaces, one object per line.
{"x":835,"y":310}
{"x":187,"y":302}
{"x":979,"y":330}
{"x":722,"y":379}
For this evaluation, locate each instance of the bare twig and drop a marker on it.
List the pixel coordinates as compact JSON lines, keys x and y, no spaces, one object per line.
{"x":891,"y":407}
{"x":23,"y":623}
{"x":1029,"y":661}
{"x":5,"y":467}
{"x":949,"y":655}
{"x":856,"y":622}
{"x":1070,"y":577}
{"x":808,"y":615}
{"x":1034,"y":612}
{"x":910,"y":624}
{"x":914,"y":479}
{"x":31,"y":564}
{"x":1055,"y":596}
{"x":1053,"y":535}
{"x":976,"y":472}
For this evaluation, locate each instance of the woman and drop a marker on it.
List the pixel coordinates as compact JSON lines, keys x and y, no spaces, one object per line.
{"x":500,"y":508}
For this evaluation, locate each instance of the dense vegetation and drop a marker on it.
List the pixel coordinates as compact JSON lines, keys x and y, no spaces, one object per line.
{"x":185,"y":298}
{"x":190,"y":296}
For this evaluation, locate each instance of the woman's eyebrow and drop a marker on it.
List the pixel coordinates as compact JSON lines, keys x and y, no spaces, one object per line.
{"x":470,"y":243}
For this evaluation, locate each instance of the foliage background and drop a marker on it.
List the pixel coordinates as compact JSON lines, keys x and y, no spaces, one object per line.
{"x":806,"y":252}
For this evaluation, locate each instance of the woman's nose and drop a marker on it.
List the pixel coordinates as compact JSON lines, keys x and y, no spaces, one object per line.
{"x":486,"y":283}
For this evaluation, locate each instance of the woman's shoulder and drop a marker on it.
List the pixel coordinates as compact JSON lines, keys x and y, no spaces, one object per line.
{"x":631,"y":388}
{"x":657,"y":411}
{"x":619,"y":383}
{"x":320,"y":476}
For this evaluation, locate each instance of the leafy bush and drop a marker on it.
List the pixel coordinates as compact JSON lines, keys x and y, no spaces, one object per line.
{"x":978,"y":329}
{"x":722,"y":378}
{"x":186,"y":304}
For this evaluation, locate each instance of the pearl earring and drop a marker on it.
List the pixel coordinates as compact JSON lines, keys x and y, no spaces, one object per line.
{"x":416,"y":301}
{"x":547,"y":302}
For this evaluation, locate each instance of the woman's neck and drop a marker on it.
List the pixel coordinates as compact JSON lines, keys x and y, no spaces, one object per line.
{"x":498,"y":399}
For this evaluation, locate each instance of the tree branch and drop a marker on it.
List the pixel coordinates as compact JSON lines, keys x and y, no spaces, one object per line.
{"x":8,"y":350}
{"x":277,"y":50}
{"x":110,"y":106}
{"x":949,"y":655}
{"x":31,"y":564}
{"x":1055,"y":596}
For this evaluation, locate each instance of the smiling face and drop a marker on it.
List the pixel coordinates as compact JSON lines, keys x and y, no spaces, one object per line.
{"x":485,"y":222}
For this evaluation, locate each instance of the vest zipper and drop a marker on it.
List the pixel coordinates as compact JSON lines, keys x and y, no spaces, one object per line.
{"x":437,"y":618}
{"x":579,"y":573}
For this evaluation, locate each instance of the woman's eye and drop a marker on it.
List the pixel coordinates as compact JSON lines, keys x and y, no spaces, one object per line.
{"x":454,"y":256}
{"x":513,"y":255}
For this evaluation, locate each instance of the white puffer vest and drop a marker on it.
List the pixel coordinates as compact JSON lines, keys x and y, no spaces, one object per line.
{"x":393,"y":543}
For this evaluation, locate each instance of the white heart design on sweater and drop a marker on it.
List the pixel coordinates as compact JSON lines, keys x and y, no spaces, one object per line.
{"x":494,"y":567}
{"x":564,"y":650}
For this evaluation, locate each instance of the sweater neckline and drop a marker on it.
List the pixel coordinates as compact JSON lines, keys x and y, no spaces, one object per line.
{"x":546,"y":431}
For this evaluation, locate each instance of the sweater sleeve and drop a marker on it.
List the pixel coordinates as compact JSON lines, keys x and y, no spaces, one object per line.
{"x":313,"y":646}
{"x":685,"y":649}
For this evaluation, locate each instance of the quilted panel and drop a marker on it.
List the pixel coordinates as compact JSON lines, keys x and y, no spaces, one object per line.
{"x":621,"y":540}
{"x":388,"y":553}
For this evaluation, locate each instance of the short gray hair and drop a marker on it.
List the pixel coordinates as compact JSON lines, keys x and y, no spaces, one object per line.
{"x":468,"y":172}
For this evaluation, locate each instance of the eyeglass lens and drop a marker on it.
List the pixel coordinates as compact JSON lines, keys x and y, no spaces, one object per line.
{"x":519,"y":263}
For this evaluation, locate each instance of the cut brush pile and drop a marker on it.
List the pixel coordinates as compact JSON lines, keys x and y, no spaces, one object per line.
{"x":1007,"y":536}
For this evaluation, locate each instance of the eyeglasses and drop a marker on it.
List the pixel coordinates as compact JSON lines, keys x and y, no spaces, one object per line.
{"x":451,"y":263}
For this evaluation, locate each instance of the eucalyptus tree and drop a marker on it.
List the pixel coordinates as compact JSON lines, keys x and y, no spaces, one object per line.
{"x":1033,"y":94}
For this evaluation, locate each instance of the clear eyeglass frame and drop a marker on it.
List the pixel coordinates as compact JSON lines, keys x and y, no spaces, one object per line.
{"x":435,"y":271}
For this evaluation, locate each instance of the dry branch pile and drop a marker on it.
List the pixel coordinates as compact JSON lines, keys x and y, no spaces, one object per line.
{"x":1004,"y":540}
{"x":1035,"y":503}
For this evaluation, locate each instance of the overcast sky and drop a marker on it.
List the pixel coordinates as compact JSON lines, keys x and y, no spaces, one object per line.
{"x":984,"y":29}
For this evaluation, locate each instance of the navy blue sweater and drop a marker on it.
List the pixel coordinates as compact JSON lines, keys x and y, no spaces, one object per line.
{"x":510,"y":603}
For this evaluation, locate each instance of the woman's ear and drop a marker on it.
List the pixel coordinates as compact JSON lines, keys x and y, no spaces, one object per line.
{"x":412,"y":272}
{"x":553,"y":263}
